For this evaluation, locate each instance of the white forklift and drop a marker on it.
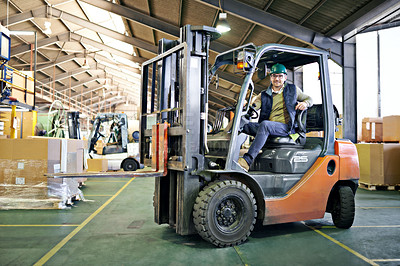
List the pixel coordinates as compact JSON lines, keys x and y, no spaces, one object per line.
{"x":109,"y":140}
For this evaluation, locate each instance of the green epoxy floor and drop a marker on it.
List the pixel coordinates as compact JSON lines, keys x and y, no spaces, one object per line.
{"x":123,"y":233}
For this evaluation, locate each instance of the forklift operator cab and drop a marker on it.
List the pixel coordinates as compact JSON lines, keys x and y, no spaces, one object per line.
{"x":203,"y":188}
{"x":288,"y":155}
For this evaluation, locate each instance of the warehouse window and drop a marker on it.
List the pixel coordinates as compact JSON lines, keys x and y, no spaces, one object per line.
{"x":377,"y":87}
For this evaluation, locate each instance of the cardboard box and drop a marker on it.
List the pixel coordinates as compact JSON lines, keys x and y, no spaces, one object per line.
{"x":391,"y":128}
{"x":372,"y":129}
{"x":319,"y":134}
{"x":23,"y":165}
{"x":97,"y":165}
{"x":70,"y":153}
{"x":18,"y":154}
{"x":25,"y":161}
{"x":379,"y":163}
{"x":27,"y":124}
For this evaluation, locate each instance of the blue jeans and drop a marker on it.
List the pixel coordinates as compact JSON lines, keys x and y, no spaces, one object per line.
{"x":261,"y":131}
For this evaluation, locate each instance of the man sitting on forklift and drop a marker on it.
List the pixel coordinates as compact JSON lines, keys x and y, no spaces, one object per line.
{"x":278,"y":104}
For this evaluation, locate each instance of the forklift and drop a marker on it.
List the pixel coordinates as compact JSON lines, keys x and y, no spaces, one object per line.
{"x":203,"y":190}
{"x":117,"y":147}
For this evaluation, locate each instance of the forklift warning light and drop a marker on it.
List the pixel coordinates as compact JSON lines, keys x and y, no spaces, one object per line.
{"x":241,"y":65}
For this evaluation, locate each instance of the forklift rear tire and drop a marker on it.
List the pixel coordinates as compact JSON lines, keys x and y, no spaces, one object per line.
{"x":129,"y":164}
{"x":225,"y":213}
{"x":343,"y":208}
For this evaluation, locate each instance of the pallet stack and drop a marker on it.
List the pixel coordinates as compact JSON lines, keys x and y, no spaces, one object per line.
{"x":379,"y":153}
{"x":23,"y":165}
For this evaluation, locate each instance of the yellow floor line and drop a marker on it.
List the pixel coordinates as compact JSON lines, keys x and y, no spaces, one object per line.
{"x":386,"y":260}
{"x":394,"y":207}
{"x":54,"y":250}
{"x":34,"y":225}
{"x":362,"y":226}
{"x":106,"y":181}
{"x":343,"y":246}
{"x":241,"y":256}
{"x":97,"y":195}
{"x":376,"y":226}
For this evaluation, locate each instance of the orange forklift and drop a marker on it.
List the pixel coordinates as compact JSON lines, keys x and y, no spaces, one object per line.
{"x":203,"y":189}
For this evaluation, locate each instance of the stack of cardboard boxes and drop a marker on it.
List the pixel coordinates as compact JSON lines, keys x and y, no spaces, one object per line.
{"x":379,"y":152}
{"x":23,"y":165}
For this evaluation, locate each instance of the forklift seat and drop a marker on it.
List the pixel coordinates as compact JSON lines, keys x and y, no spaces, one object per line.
{"x":287,"y":141}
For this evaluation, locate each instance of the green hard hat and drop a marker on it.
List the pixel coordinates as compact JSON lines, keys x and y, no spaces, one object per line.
{"x":278,"y":69}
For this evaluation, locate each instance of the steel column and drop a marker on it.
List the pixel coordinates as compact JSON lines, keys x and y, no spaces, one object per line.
{"x":349,"y":92}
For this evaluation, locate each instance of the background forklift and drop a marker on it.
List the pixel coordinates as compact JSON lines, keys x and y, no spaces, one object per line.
{"x":112,"y":128}
{"x":203,"y":189}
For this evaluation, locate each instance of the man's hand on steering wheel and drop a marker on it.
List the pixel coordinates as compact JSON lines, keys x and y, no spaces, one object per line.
{"x":301,"y":106}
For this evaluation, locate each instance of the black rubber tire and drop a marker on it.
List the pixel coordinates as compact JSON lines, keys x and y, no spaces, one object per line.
{"x":225,"y":213}
{"x":129,"y":164}
{"x":343,"y":208}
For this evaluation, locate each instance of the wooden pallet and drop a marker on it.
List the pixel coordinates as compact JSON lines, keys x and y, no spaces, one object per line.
{"x":35,"y":204}
{"x":379,"y":186}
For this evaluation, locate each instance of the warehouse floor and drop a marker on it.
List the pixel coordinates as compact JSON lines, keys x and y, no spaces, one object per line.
{"x":115,"y":226}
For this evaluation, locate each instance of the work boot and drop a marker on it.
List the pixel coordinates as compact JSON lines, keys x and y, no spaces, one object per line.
{"x":243,"y":164}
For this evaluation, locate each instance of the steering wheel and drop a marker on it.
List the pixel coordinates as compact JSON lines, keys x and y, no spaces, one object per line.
{"x":301,"y":120}
{"x":252,"y":112}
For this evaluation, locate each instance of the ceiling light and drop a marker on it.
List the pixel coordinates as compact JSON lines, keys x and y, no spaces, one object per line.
{"x":47,"y":28}
{"x":222,"y":24}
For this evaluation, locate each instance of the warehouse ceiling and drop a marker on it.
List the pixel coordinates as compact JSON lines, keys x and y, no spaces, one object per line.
{"x":91,"y":51}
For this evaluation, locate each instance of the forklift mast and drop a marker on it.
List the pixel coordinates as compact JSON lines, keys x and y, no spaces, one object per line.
{"x":174,"y":89}
{"x":74,"y":130}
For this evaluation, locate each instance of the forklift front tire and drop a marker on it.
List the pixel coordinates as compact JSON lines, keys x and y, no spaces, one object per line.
{"x":225,"y":213}
{"x":129,"y":164}
{"x":343,"y":208}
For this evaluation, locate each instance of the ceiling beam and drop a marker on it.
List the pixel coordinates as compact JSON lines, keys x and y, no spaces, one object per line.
{"x":279,"y":25}
{"x":44,"y":12}
{"x":22,"y":17}
{"x":73,"y":37}
{"x":148,"y":21}
{"x":99,"y":59}
{"x":60,"y":60}
{"x":134,"y":15}
{"x":235,"y":79}
{"x":216,"y":101}
{"x":223,"y":92}
{"x":374,"y":10}
{"x":93,"y":68}
{"x":382,"y":26}
{"x":89,"y":89}
{"x":114,"y":102}
{"x":79,"y":83}
{"x":220,"y":99}
{"x":156,"y":24}
{"x":95,"y":100}
{"x":306,"y":16}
